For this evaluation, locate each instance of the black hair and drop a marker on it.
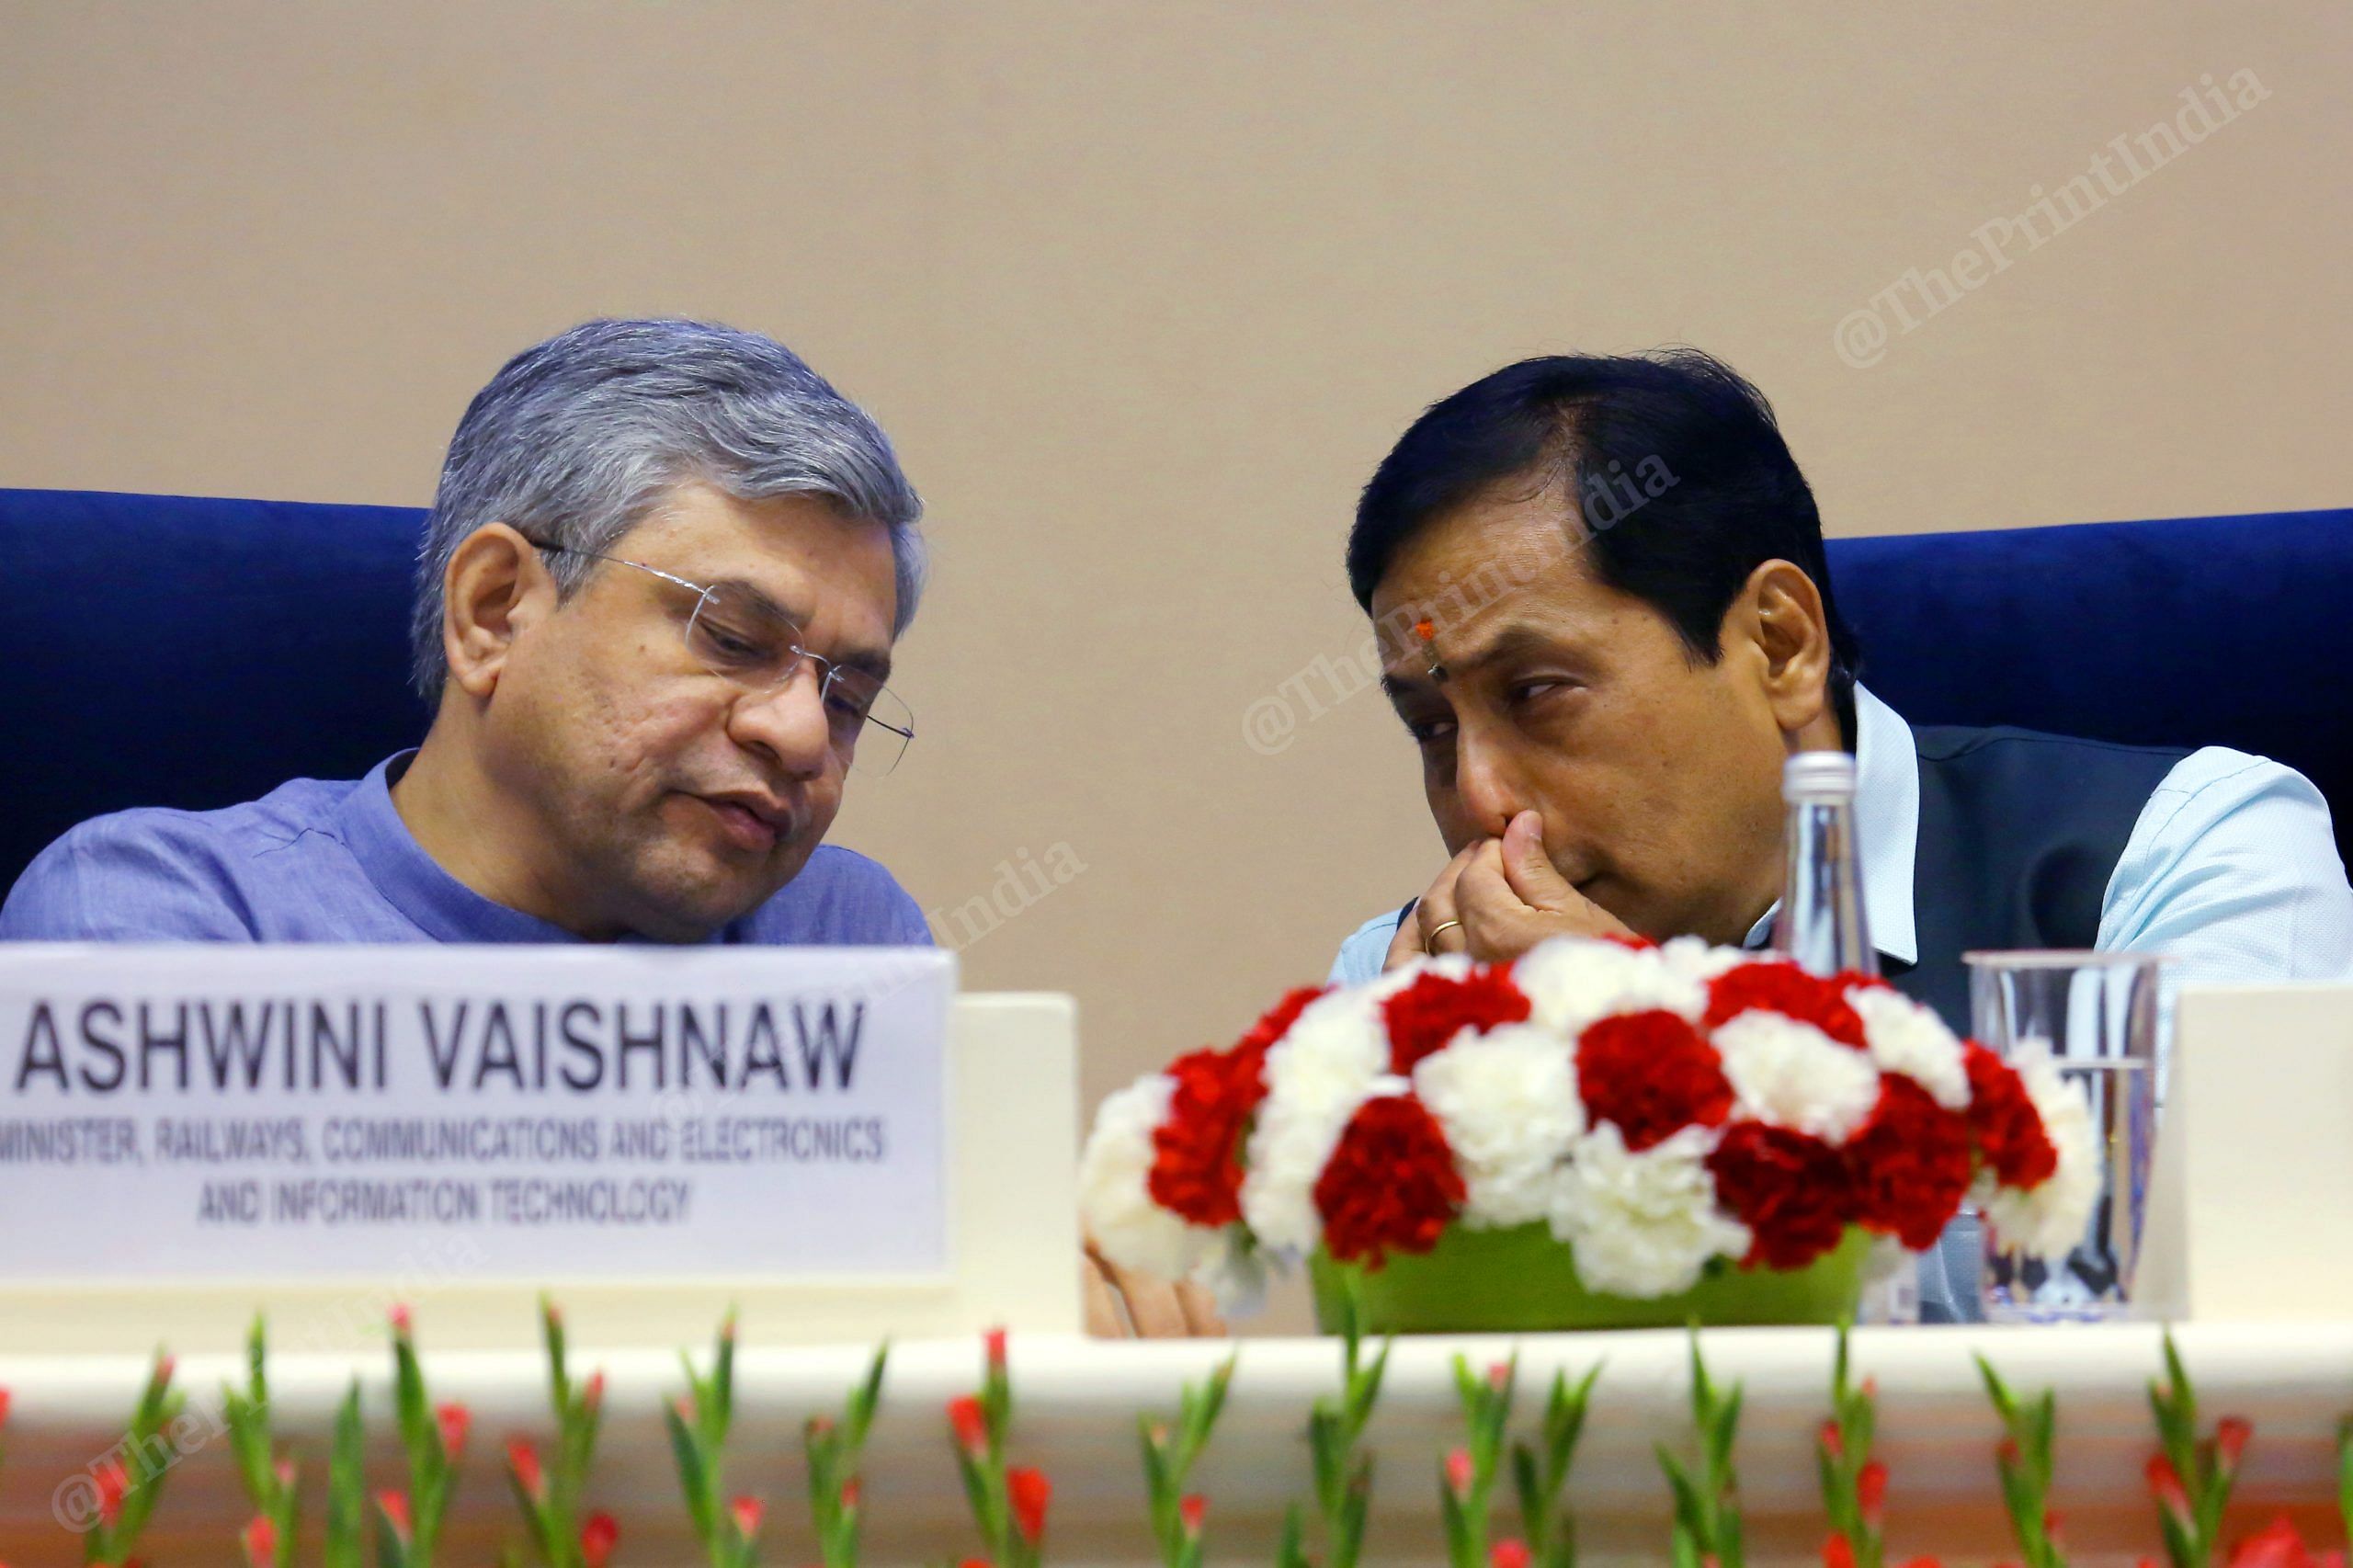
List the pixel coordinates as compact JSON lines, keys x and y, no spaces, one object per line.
{"x":1674,"y":465}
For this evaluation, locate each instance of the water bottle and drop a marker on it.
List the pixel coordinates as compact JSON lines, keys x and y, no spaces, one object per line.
{"x":1821,"y":925}
{"x":1821,"y":928}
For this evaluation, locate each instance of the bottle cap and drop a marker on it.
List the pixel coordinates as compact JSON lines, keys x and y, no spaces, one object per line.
{"x":1823,"y":776}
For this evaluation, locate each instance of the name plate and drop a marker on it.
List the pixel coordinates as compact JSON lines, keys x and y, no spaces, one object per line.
{"x":200,"y":1112}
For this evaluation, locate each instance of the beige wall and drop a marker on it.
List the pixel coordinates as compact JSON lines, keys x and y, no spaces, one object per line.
{"x":1144,"y":291}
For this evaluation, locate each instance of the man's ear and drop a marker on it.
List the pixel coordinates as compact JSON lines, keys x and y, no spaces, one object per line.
{"x":496,"y":588}
{"x":1780,"y":609}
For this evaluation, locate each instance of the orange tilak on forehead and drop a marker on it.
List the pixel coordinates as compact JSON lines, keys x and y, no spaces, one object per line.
{"x":1427,"y":629}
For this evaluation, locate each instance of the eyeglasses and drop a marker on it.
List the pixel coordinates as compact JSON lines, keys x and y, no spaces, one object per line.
{"x":736,"y":633}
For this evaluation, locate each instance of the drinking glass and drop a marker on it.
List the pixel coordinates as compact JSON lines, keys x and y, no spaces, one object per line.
{"x":2096,"y":1015}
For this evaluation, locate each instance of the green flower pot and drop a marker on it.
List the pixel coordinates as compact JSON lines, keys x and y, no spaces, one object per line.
{"x":1521,"y":1280}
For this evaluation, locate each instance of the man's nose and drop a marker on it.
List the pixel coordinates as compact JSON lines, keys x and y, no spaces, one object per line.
{"x":789,"y":723}
{"x":1483,"y":783}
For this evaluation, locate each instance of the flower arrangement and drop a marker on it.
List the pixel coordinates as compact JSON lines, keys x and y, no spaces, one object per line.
{"x":2190,"y":1472}
{"x":1669,"y":1112}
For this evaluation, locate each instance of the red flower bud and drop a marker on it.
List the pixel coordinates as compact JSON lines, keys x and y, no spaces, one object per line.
{"x":746,"y":1512}
{"x":1498,"y":1374}
{"x":1509,"y":1552}
{"x":970,"y":1425}
{"x":2230,"y":1440}
{"x":1028,"y":1491}
{"x":975,"y":1562}
{"x":2007,"y":1450}
{"x":1832,"y":1442}
{"x":2275,"y":1546}
{"x":4,"y":1407}
{"x":1460,"y":1473}
{"x":851,"y":1492}
{"x":401,"y":1319}
{"x":455,"y":1421}
{"x":821,"y":1426}
{"x":260,"y":1540}
{"x":1871,"y":1492}
{"x":727,"y":1328}
{"x":113,"y":1483}
{"x":523,"y":1460}
{"x":284,"y":1470}
{"x":592,"y":1398}
{"x":994,"y":1341}
{"x":395,"y":1507}
{"x":2053,"y":1523}
{"x":164,"y":1366}
{"x":2165,"y":1486}
{"x":1190,"y":1512}
{"x":1837,"y":1552}
{"x":597,"y":1538}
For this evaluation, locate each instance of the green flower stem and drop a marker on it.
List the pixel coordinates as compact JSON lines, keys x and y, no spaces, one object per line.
{"x":698,"y":1425}
{"x":269,"y":1474}
{"x":1343,"y":1473}
{"x":432,"y":1468}
{"x":2025,"y":1462}
{"x":834,"y":1448}
{"x":1842,"y":1452}
{"x":346,"y":1485}
{"x":1464,"y":1499}
{"x":550,"y":1494}
{"x":1169,"y":1452}
{"x":1549,"y":1529}
{"x":2205,"y":1469}
{"x":108,"y":1542}
{"x":1707,"y":1506}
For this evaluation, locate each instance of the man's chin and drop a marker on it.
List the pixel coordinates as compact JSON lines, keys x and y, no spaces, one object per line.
{"x":693,"y":897}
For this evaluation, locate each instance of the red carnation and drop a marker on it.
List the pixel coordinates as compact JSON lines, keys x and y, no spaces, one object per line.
{"x":1778,"y":986}
{"x":1426,"y":1015}
{"x":1197,"y":1149}
{"x":969,"y":1422}
{"x":1196,"y":1163}
{"x":1278,"y":1021}
{"x":1391,"y":1183}
{"x":1909,"y":1164}
{"x":455,"y":1421}
{"x":1652,"y":1074}
{"x":597,"y":1538}
{"x":1028,"y":1492}
{"x":1789,"y":1188}
{"x":2008,"y":1128}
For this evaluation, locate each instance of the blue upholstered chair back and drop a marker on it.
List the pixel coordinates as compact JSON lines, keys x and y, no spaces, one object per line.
{"x":159,"y":650}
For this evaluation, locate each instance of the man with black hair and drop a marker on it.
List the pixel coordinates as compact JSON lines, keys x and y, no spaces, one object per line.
{"x":1607,"y":620}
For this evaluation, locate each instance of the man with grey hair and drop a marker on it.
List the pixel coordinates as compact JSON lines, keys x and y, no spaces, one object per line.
{"x":655,"y":605}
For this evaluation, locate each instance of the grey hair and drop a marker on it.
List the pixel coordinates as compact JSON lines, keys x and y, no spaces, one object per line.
{"x":576,"y":441}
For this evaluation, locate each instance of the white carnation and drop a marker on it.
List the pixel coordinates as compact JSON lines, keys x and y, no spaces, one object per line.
{"x":1508,"y":1102}
{"x":1792,"y":1074}
{"x":1571,"y":982}
{"x":1643,"y":1224}
{"x":1316,"y":1076}
{"x":1449,"y":966}
{"x":2049,"y":1218}
{"x":1695,"y":958}
{"x":1907,"y":1038}
{"x":1113,"y":1194}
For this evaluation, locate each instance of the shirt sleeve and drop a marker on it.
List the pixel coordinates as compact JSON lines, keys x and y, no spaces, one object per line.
{"x":1359,"y":956}
{"x":127,"y":878}
{"x":2232,"y":870}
